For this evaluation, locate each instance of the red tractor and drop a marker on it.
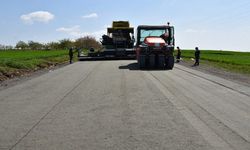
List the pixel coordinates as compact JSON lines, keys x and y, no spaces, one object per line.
{"x":155,"y":47}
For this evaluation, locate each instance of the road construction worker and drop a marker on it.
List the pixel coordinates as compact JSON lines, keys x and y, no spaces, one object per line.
{"x":178,"y":56}
{"x":165,"y":37}
{"x":71,"y":55}
{"x":197,"y":56}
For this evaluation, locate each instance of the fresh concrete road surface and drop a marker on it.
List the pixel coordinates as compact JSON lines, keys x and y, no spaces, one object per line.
{"x":111,"y":105}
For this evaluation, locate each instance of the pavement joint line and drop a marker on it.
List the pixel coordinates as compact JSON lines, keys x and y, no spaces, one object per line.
{"x":54,"y":106}
{"x":211,"y":137}
{"x":248,"y":95}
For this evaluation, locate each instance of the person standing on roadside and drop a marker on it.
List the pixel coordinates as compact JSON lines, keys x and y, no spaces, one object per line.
{"x":178,"y":56}
{"x":197,"y":56}
{"x":71,"y":55}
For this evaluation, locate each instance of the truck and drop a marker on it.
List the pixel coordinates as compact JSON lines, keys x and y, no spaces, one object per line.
{"x":155,"y":46}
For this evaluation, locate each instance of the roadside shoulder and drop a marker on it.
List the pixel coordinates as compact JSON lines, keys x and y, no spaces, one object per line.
{"x":9,"y":82}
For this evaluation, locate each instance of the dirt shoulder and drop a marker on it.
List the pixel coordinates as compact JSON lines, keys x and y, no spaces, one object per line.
{"x":210,"y":69}
{"x":22,"y":76}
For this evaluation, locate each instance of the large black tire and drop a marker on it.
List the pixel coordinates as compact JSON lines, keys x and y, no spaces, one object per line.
{"x":161,"y":61}
{"x":151,"y":61}
{"x":142,"y":61}
{"x":170,"y":63}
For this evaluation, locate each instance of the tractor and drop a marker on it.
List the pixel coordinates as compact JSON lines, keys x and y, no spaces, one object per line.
{"x":155,"y":47}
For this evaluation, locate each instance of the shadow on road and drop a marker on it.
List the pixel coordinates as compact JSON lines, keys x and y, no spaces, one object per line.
{"x":134,"y":66}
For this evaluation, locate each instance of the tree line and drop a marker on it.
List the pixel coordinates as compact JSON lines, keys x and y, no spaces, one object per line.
{"x":86,"y":42}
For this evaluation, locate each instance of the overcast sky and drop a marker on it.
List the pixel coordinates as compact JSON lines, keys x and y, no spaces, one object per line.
{"x":209,"y":24}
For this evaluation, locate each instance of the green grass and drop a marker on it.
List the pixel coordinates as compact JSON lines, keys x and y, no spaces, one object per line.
{"x":231,"y":61}
{"x":14,"y":60}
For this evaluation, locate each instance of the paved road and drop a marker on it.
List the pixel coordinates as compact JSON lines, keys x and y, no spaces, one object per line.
{"x":114,"y":106}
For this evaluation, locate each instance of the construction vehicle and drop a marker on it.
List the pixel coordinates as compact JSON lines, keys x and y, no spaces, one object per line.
{"x":118,"y":43}
{"x":155,"y":47}
{"x":119,"y":40}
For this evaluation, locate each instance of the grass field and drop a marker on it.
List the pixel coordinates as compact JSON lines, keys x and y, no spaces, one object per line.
{"x":15,"y":61}
{"x":232,"y":61}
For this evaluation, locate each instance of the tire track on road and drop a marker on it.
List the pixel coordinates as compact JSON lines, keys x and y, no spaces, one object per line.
{"x":218,"y":83}
{"x":205,"y":113}
{"x":209,"y":135}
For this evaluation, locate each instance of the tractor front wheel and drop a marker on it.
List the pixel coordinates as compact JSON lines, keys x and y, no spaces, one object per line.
{"x":170,"y":63}
{"x":142,"y":61}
